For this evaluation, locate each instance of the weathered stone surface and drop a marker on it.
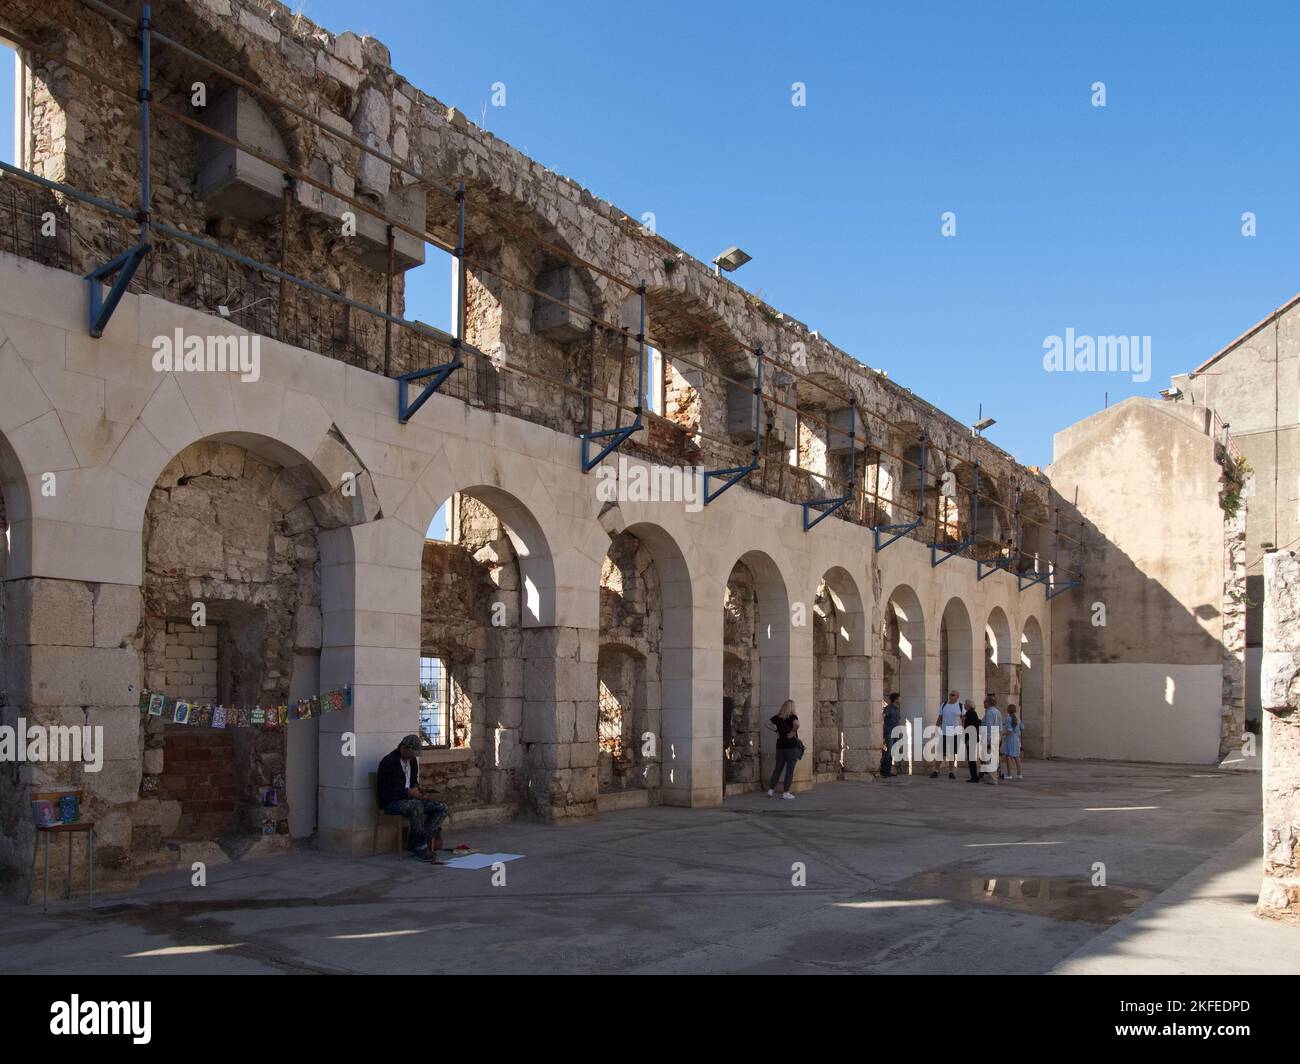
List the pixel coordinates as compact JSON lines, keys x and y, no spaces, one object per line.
{"x":1279,"y":896}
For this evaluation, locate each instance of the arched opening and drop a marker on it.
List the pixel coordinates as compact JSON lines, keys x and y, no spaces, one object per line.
{"x":232,"y":621}
{"x":999,"y":664}
{"x":1035,"y":553}
{"x":908,"y":473}
{"x":756,"y":667}
{"x":904,"y":651}
{"x":1033,"y":708}
{"x":480,"y":590}
{"x":957,"y":652}
{"x":840,"y":711}
{"x":629,"y":668}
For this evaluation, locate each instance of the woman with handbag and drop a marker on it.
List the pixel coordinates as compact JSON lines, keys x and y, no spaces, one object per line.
{"x":788,"y":747}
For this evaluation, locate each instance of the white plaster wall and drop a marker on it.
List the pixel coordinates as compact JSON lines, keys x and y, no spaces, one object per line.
{"x":1137,"y":712}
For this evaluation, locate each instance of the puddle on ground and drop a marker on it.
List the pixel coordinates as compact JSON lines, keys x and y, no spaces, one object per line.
{"x":1056,"y":897}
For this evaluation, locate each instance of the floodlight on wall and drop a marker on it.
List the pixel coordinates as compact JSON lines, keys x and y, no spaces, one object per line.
{"x":1171,"y":393}
{"x":731,"y":259}
{"x":982,"y":424}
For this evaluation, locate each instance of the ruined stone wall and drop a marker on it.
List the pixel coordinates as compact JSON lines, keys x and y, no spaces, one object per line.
{"x":741,"y":676}
{"x":1279,"y":896}
{"x":522,"y":220}
{"x":828,"y":717}
{"x":1235,"y":610}
{"x":629,"y":669}
{"x":470,"y":615}
{"x":233,"y":532}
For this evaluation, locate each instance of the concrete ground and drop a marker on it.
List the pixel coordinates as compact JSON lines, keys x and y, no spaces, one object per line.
{"x":919,"y":876}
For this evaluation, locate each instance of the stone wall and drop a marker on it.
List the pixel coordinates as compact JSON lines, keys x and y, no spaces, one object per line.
{"x":1279,"y":896}
{"x":740,"y":679}
{"x":234,"y":533}
{"x":629,"y":673}
{"x":523,"y":224}
{"x":466,"y":584}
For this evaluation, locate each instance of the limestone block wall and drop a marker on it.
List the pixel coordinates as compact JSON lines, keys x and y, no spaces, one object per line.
{"x":630,"y":673}
{"x":97,"y":415}
{"x":522,"y":222}
{"x":1279,"y":896}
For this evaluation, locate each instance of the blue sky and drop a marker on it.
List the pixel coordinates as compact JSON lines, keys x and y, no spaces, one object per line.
{"x":1117,"y":220}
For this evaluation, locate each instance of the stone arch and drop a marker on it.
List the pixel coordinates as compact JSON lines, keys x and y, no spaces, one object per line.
{"x":499,"y":646}
{"x":908,"y":476}
{"x":756,"y":634}
{"x":994,"y":524}
{"x":957,"y":652}
{"x":840,"y":676}
{"x":15,"y":517}
{"x":529,"y":305}
{"x":1033,"y":690}
{"x":904,"y":649}
{"x":821,"y":451}
{"x":999,"y":658}
{"x":246,"y":531}
{"x":697,"y":347}
{"x":1035,"y":552}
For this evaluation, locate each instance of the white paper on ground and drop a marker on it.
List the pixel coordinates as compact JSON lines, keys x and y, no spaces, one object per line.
{"x":481,"y":860}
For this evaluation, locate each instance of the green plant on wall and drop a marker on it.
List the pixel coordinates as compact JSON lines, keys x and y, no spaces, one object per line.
{"x":1234,"y":476}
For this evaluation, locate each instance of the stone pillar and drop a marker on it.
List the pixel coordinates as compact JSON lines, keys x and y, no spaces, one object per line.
{"x":1279,"y":896}
{"x":559,"y":720}
{"x":370,"y":620}
{"x":71,"y":662}
{"x":859,"y":739}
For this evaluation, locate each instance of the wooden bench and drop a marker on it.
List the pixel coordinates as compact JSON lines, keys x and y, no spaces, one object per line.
{"x":87,"y":826}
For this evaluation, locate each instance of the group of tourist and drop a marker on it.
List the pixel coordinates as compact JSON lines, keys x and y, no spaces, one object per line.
{"x":991,"y":742}
{"x":992,"y":750}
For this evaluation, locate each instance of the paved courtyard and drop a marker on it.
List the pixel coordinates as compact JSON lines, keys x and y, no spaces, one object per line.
{"x":921,"y":876}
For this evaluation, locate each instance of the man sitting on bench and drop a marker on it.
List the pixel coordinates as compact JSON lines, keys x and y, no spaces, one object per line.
{"x":398,"y":784}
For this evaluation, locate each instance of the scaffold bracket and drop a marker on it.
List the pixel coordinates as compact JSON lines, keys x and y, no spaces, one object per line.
{"x":124,"y":266}
{"x":438,"y":375}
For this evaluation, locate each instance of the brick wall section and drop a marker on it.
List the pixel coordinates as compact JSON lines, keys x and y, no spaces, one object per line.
{"x":191,"y":660}
{"x":200,"y":774}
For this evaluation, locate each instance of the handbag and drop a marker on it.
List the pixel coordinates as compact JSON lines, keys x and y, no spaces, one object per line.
{"x":801,"y":750}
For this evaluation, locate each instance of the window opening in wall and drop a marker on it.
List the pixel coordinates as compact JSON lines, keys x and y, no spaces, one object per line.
{"x":654,"y":380}
{"x":610,"y":735}
{"x":435,"y":703}
{"x":13,"y":107}
{"x":442,"y":529}
{"x":427,"y":297}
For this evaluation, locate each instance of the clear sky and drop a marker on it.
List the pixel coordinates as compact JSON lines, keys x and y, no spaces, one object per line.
{"x":1124,"y":219}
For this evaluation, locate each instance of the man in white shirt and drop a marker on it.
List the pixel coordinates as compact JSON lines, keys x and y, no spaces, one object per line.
{"x":948,"y":723}
{"x":992,"y":739}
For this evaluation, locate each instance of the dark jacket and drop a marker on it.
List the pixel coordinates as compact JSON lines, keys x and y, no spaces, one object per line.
{"x":390,"y":783}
